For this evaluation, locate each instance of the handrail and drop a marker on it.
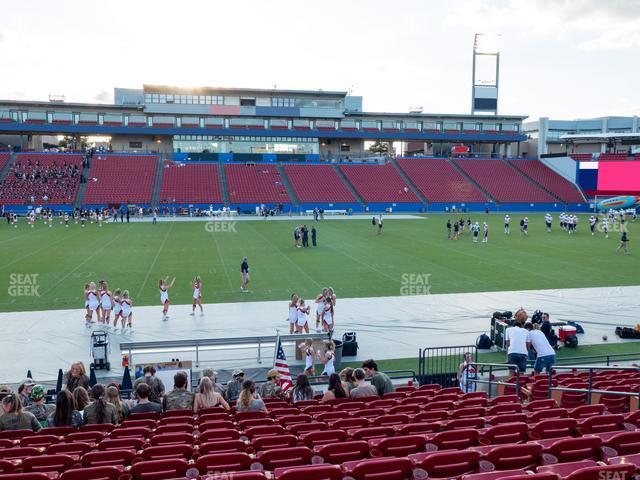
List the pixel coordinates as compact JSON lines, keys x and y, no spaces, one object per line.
{"x":497,"y":382}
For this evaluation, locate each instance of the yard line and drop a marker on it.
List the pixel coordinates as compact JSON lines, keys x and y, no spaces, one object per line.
{"x":34,"y":252}
{"x":153,"y":264}
{"x":224,"y":266}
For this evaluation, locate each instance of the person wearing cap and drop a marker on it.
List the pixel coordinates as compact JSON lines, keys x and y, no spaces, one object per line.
{"x":272,"y":388}
{"x":39,"y":409}
{"x":14,"y":417}
{"x":234,"y":386}
{"x":24,"y":391}
{"x":213,"y":376}
{"x":4,"y":391}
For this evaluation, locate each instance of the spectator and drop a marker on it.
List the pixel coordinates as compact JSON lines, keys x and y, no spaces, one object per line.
{"x":213,"y":376}
{"x":156,"y":387}
{"x":362,"y":389}
{"x":335,"y":389}
{"x":65,"y":414}
{"x":14,"y":418}
{"x":39,"y":409}
{"x":272,"y":388}
{"x":81,"y":399}
{"x":24,"y":391}
{"x":234,"y":386}
{"x":546,"y":355}
{"x":179,"y":398}
{"x":207,"y":397}
{"x":467,"y":371}
{"x":348,"y":382}
{"x":75,"y":377}
{"x":380,"y":380}
{"x":144,"y":404}
{"x":516,"y":342}
{"x":248,"y":401}
{"x":113,"y":397}
{"x":4,"y":391}
{"x":302,"y":389}
{"x":99,"y":411}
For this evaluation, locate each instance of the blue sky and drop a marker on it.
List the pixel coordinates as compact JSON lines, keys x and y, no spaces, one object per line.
{"x":561,"y":58}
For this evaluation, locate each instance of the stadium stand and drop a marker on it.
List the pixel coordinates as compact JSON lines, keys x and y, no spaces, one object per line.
{"x":190,"y":183}
{"x":121,"y":179}
{"x":612,"y":157}
{"x":438,"y":181}
{"x":255,"y":184}
{"x":317,"y":183}
{"x":502,"y":182}
{"x":4,"y":158}
{"x":42,"y":178}
{"x":297,"y":441}
{"x":378,"y":183}
{"x":550,"y":180}
{"x":582,"y":157}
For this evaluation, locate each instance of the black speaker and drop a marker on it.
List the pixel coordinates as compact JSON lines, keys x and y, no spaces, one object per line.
{"x":349,"y":349}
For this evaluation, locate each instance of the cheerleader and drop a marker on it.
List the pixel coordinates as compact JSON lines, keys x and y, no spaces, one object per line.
{"x":66,"y":220}
{"x":50,"y":219}
{"x":164,"y":296}
{"x":100,"y":219}
{"x":75,"y":217}
{"x":86,"y":301}
{"x":117,"y":307}
{"x":31,"y":218}
{"x":100,"y":292}
{"x":309,"y":355}
{"x":126,"y":310}
{"x":197,"y":295}
{"x":15,"y":220}
{"x":83,"y":218}
{"x":106,"y":302}
{"x":60,"y":217}
{"x":302,"y":317}
{"x":327,"y":316}
{"x":293,"y":312}
{"x":93,"y":303}
{"x":320,"y":307}
{"x":328,"y":359}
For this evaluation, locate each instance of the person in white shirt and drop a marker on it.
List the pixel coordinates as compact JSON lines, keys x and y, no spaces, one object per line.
{"x":546,"y":355}
{"x":516,"y":340}
{"x":592,"y":224}
{"x":547,"y":220}
{"x":507,"y":224}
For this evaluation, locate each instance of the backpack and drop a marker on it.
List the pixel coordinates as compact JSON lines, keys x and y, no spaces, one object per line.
{"x":571,"y":341}
{"x":627,"y":332}
{"x":349,"y":337}
{"x":579,"y":328}
{"x":483,"y":342}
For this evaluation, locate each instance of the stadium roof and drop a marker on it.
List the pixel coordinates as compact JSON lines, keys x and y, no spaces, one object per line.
{"x":601,"y":136}
{"x":239,"y":91}
{"x":436,"y":115}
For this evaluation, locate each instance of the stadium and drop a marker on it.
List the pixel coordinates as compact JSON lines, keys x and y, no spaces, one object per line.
{"x":262,"y":282}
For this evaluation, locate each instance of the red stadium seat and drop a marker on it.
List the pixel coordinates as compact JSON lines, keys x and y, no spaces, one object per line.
{"x":545,"y":414}
{"x":398,"y":446}
{"x":509,"y":457}
{"x":599,"y":472}
{"x":88,"y":437}
{"x":255,"y":422}
{"x":330,"y":416}
{"x":159,"y":469}
{"x":223,"y":462}
{"x":25,"y":476}
{"x":317,"y":183}
{"x":287,"y":420}
{"x":274,"y":441}
{"x":47,"y":464}
{"x":57,"y":431}
{"x":348,"y":423}
{"x":97,"y":427}
{"x":222,"y":446}
{"x":384,"y":403}
{"x":141,"y":423}
{"x":220,"y":434}
{"x":500,"y":475}
{"x":378,"y":183}
{"x":574,"y":449}
{"x":624,"y":443}
{"x":431,"y":416}
{"x":536,"y":405}
{"x":255,"y":432}
{"x":91,"y":473}
{"x":405,"y":409}
{"x":463,"y":423}
{"x":282,"y":411}
{"x":313,"y":439}
{"x":507,"y":418}
{"x":172,"y":439}
{"x":340,"y":452}
{"x":448,"y":464}
{"x":418,"y":427}
{"x":602,"y":423}
{"x":284,"y":457}
{"x":144,"y":416}
{"x":116,"y":458}
{"x":440,"y":405}
{"x":300,"y":428}
{"x":503,"y":408}
{"x":121,"y":178}
{"x":130,"y":432}
{"x":633,"y":418}
{"x":505,"y":433}
{"x":74,"y":449}
{"x":190,"y":183}
{"x":163,"y":452}
{"x":211,"y":417}
{"x":309,"y":472}
{"x":455,"y":439}
{"x":586,"y":411}
{"x":19,"y":453}
{"x":553,"y":428}
{"x":39,"y":441}
{"x":501,"y":399}
{"x":174,"y":428}
{"x":216,"y":424}
{"x":472,"y":402}
{"x":369,"y":433}
{"x":379,"y":469}
{"x":16,"y":434}
{"x":392,"y":419}
{"x":131,"y":443}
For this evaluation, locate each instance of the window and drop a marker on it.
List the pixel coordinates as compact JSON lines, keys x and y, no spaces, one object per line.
{"x":247,"y":102}
{"x":169,"y":98}
{"x":155,"y":98}
{"x":163,"y":98}
{"x":135,"y":144}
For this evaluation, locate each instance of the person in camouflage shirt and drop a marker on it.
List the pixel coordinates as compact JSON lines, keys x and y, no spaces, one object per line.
{"x":179,"y":398}
{"x":271,"y":389}
{"x":156,"y":387}
{"x":234,"y":387}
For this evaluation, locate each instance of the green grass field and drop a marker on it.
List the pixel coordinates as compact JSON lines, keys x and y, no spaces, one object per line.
{"x":349,"y":257}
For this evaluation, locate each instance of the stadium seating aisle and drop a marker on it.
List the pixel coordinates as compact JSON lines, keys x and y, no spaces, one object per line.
{"x":317,"y":183}
{"x":41,"y":178}
{"x":502,"y":182}
{"x":255,"y":184}
{"x":315,"y":440}
{"x":438,"y":181}
{"x":549,"y":179}
{"x":121,"y":179}
{"x":379,"y":183}
{"x":190,"y":183}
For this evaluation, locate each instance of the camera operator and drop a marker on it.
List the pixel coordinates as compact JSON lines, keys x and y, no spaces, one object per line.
{"x":516,"y":342}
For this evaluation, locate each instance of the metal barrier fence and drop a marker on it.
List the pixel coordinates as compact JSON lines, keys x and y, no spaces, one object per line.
{"x":440,"y":364}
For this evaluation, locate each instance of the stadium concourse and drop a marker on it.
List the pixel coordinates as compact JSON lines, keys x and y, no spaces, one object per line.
{"x":387,"y":327}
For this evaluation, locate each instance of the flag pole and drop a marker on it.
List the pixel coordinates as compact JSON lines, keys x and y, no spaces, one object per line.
{"x":275,"y":350}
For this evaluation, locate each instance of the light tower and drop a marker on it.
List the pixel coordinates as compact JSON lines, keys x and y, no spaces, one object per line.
{"x":486,"y":72}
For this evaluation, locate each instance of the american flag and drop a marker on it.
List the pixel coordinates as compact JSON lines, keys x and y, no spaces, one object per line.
{"x":282,"y":366}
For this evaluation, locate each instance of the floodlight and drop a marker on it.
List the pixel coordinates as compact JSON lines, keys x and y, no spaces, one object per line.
{"x":487,"y":43}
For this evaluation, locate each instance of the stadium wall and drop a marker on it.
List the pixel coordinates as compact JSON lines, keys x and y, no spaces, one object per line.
{"x":565,"y":166}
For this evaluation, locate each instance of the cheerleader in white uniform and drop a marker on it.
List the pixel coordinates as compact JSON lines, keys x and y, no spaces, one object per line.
{"x":309,"y":356}
{"x":93,"y":303}
{"x":117,"y":307}
{"x":86,"y":302}
{"x":197,"y":294}
{"x":327,"y":316}
{"x":164,"y":296}
{"x":302,"y":317}
{"x":329,"y":358}
{"x":293,"y":312}
{"x":320,"y":307}
{"x":106,"y":302}
{"x":126,"y":310}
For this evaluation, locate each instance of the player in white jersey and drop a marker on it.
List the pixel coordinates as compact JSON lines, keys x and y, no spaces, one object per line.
{"x":302,"y":319}
{"x":197,"y":295}
{"x":592,"y":224}
{"x":605,"y":227}
{"x":93,"y":303}
{"x":575,"y":223}
{"x":547,"y":220}
{"x":476,"y":231}
{"x":164,"y":296}
{"x":293,"y":312}
{"x":66,"y":220}
{"x":106,"y":302}
{"x":485,"y":232}
{"x":60,"y":217}
{"x":127,"y":314}
{"x":50,"y":219}
{"x":31,"y":218}
{"x":320,"y":308}
{"x":525,"y":225}
{"x":100,"y":218}
{"x":117,"y":307}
